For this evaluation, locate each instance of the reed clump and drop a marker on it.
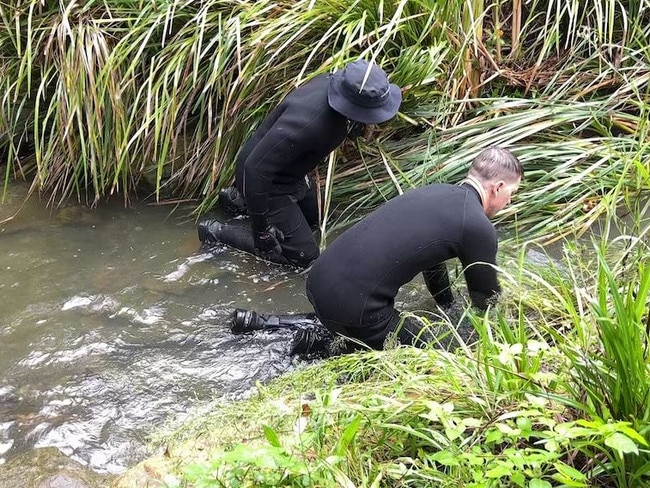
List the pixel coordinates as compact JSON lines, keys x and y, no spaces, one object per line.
{"x":100,"y":98}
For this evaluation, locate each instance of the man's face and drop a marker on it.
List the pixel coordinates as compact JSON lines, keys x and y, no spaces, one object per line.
{"x":500,"y":196}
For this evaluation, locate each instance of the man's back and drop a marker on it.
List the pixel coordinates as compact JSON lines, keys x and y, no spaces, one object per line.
{"x":360,"y":273}
{"x":294,"y":137}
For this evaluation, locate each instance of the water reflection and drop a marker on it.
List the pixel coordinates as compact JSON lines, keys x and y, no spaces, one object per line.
{"x":113,"y":324}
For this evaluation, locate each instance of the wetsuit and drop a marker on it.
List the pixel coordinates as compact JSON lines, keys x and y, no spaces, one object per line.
{"x":273,"y":165}
{"x":353,"y":284}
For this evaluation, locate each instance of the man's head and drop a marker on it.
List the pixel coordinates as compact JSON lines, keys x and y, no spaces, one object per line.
{"x":499,"y":172}
{"x":361,"y":92}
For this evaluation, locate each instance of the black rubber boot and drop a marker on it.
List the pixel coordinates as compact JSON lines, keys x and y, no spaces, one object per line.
{"x":312,"y":342}
{"x":210,"y":231}
{"x":232,"y":201}
{"x":237,"y":235}
{"x":243,"y":321}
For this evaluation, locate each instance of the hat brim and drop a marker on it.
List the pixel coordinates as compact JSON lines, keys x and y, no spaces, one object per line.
{"x":358,"y":113}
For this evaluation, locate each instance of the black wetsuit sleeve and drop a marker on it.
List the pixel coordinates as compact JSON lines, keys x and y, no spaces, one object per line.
{"x":479,"y":260}
{"x":437,"y":281}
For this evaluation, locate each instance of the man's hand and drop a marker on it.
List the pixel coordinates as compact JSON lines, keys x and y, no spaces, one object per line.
{"x":269,"y":240}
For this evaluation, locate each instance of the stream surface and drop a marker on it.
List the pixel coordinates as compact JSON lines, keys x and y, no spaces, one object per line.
{"x":113,"y":324}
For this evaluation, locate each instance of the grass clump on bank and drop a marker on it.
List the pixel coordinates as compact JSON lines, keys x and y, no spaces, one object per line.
{"x":554,"y":392}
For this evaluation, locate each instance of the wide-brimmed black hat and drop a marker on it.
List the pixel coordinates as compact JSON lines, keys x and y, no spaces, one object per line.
{"x":362,"y":93}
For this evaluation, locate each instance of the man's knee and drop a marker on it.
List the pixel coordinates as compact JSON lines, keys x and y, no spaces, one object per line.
{"x":302,"y":258}
{"x":411,"y":332}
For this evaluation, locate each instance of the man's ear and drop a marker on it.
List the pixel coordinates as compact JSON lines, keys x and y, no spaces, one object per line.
{"x":499,"y":186}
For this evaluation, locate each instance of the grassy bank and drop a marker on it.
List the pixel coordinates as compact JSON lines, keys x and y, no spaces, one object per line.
{"x":553,"y":392}
{"x":101,"y":97}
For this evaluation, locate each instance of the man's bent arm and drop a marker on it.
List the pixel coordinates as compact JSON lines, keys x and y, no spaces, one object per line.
{"x":437,"y":281}
{"x":269,"y":154}
{"x":482,"y":284}
{"x":479,"y":258}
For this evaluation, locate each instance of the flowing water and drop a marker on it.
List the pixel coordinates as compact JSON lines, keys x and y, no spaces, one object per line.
{"x":113,"y":323}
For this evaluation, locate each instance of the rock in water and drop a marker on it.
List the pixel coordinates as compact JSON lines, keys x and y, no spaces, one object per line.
{"x":48,"y":468}
{"x":62,"y":481}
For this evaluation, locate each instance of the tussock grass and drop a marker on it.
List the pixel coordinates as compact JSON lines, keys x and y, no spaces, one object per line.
{"x":101,"y":97}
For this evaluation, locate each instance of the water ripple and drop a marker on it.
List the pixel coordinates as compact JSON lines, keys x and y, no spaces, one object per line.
{"x":112,"y":331}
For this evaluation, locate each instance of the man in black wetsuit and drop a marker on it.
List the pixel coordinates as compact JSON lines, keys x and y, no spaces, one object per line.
{"x":353,"y":284}
{"x":272,"y":180}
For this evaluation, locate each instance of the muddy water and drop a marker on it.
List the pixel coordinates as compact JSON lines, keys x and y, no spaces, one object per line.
{"x":113,"y":323}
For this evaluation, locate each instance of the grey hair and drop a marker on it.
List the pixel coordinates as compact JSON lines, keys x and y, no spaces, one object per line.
{"x":496,"y":163}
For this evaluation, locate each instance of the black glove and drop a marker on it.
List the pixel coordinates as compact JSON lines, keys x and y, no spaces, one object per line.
{"x":311,"y":342}
{"x":268,"y":240}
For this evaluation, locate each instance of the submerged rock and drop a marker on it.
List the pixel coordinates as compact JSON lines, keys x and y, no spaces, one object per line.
{"x":49,"y":468}
{"x":77,"y":215}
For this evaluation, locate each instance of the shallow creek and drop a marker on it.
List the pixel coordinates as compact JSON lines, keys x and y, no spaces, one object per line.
{"x":113,"y":324}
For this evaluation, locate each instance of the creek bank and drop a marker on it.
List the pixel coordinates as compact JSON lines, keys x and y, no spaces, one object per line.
{"x":49,"y":468}
{"x":282,"y":405}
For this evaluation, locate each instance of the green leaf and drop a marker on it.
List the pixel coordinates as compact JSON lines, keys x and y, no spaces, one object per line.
{"x":454,"y":433}
{"x":473,"y":459}
{"x":493,"y":436}
{"x":537,"y":483}
{"x":633,"y":434}
{"x":551,"y":445}
{"x":622,"y":443}
{"x":271,"y":436}
{"x":569,"y":473}
{"x":507,"y":430}
{"x":445,"y":458}
{"x":498,"y":471}
{"x":518,"y":479}
{"x":525,"y":424}
{"x":348,"y":436}
{"x":472,"y":422}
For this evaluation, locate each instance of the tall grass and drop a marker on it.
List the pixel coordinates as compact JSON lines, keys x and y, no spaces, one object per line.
{"x":596,"y":310}
{"x":99,"y":97}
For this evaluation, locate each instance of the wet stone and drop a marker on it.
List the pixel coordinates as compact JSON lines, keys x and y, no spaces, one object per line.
{"x":77,"y":215}
{"x":62,"y":481}
{"x":48,"y":468}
